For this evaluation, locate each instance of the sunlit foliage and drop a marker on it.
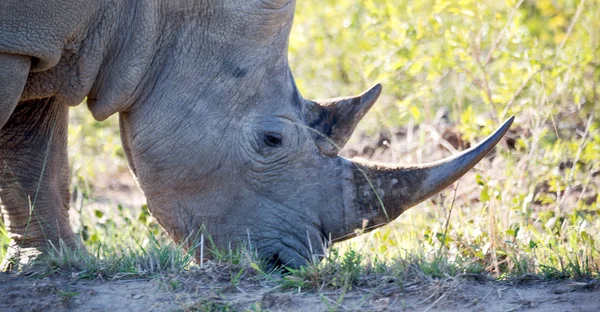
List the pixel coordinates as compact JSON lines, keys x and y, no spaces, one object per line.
{"x":469,"y":65}
{"x":537,"y":207}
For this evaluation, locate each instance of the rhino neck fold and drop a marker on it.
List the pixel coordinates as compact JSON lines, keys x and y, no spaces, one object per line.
{"x":131,"y":36}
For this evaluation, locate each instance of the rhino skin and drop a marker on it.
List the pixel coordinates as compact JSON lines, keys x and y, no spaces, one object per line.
{"x":213,"y":126}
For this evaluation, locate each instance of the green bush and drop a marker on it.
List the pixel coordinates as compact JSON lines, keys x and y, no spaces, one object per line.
{"x":533,"y":209}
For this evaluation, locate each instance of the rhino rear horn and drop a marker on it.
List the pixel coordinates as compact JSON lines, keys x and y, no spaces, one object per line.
{"x":334,"y":120}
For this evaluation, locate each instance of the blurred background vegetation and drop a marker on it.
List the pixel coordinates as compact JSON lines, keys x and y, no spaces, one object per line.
{"x":469,"y":65}
{"x":452,"y":71}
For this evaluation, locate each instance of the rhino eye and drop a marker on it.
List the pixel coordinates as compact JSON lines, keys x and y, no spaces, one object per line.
{"x":272,"y":139}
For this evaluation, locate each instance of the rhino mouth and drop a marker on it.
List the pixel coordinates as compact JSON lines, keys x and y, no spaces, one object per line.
{"x":291,"y":252}
{"x":286,"y":260}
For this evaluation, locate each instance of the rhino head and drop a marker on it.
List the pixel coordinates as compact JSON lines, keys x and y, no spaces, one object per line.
{"x":224,"y":141}
{"x":217,"y":133}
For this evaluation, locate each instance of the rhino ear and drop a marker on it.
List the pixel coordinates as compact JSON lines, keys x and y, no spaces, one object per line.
{"x":334,"y":120}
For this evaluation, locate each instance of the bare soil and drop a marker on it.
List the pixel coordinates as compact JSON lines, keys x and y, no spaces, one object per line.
{"x":210,"y":289}
{"x":194,"y":292}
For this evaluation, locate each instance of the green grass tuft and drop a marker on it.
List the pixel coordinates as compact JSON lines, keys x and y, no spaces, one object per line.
{"x":453,"y":68}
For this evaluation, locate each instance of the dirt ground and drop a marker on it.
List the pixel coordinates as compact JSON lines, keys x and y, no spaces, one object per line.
{"x":193,"y":292}
{"x":199,"y":291}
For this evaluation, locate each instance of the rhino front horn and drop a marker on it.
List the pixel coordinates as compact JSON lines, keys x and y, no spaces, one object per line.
{"x":334,"y":120}
{"x":380,"y":193}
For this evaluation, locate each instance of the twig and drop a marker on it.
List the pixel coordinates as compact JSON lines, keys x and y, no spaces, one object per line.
{"x":486,"y":84}
{"x":435,"y":302}
{"x":570,"y":29}
{"x":476,"y":301}
{"x":426,"y":299}
{"x":488,"y":59}
{"x":515,"y":309}
{"x":448,"y":221}
{"x":489,"y":293}
{"x":544,"y":101}
{"x":519,"y":294}
{"x":582,"y":144}
{"x":202,"y":250}
{"x":521,"y":88}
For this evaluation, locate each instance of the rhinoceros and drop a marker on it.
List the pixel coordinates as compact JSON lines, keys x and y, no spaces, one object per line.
{"x":212,"y":124}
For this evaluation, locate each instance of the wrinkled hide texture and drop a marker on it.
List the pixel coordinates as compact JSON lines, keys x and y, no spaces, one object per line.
{"x":214,"y":129}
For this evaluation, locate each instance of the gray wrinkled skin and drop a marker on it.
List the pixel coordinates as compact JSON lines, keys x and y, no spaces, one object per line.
{"x":213,"y":126}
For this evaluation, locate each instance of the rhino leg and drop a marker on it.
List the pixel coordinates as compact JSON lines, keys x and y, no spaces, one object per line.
{"x":34,"y":178}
